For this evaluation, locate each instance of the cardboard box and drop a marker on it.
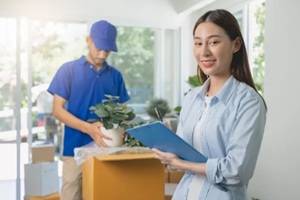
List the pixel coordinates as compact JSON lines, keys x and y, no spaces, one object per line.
{"x":168,"y":197}
{"x":166,"y":176}
{"x":127,"y":176}
{"x":54,"y":196}
{"x":170,"y":189}
{"x":41,"y":179}
{"x":172,"y":180}
{"x":44,"y":153}
{"x":175,"y":176}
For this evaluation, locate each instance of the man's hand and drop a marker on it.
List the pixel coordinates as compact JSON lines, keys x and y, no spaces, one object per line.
{"x":94,"y":131}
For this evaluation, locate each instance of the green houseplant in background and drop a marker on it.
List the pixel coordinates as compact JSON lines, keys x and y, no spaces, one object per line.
{"x":162,"y":106}
{"x":131,"y":141}
{"x":193,"y":81}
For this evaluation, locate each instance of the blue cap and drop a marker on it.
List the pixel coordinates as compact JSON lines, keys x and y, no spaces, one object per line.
{"x":104,"y":36}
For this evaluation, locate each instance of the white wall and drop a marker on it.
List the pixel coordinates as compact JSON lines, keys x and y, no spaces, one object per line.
{"x":278,"y":168}
{"x":188,"y":65}
{"x":146,"y":13}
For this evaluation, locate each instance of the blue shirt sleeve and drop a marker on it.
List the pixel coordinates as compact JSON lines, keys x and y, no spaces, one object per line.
{"x":61,"y":83}
{"x":237,"y":167}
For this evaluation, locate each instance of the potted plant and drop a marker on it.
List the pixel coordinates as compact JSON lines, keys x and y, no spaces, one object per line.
{"x":130,"y":141}
{"x":162,"y":106}
{"x":115,"y":117}
{"x":193,"y":81}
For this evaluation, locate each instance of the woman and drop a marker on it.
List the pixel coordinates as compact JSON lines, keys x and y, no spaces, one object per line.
{"x":224,"y":119}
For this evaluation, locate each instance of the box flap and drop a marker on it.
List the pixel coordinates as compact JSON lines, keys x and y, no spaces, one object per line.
{"x":43,"y":153}
{"x":54,"y":196}
{"x":116,"y":157}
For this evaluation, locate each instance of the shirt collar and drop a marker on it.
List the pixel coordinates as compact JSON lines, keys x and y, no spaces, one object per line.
{"x":224,"y":94}
{"x":84,"y":62}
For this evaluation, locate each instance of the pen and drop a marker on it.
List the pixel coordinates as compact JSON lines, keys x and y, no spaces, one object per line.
{"x":158,"y":114}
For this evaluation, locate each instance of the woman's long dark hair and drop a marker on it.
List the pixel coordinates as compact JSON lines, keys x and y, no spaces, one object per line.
{"x":239,"y":65}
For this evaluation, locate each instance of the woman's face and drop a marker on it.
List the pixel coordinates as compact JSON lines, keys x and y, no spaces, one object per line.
{"x":214,"y":50}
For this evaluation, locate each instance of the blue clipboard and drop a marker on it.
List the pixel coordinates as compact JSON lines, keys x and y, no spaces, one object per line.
{"x":157,"y":135}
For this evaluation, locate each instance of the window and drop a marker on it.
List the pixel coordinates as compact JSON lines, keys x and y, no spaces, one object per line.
{"x":27,"y":65}
{"x":148,"y":60}
{"x":135,"y":59}
{"x":51,"y":45}
{"x":257,"y":31}
{"x":7,"y":75}
{"x":251,"y":20}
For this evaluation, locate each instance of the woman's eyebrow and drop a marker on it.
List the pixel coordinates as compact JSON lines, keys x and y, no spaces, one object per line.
{"x":211,"y":36}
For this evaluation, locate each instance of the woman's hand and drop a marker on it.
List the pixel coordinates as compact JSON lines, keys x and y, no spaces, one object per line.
{"x":174,"y":161}
{"x":166,"y":157}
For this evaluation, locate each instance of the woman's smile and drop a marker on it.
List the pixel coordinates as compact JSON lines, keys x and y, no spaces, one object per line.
{"x":208,"y":63}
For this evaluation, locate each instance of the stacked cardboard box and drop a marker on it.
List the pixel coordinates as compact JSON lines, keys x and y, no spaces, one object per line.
{"x":124,"y":176}
{"x":172,"y":178}
{"x":41,"y":175}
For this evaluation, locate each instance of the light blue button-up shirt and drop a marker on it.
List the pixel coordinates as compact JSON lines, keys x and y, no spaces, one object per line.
{"x":231,"y":136}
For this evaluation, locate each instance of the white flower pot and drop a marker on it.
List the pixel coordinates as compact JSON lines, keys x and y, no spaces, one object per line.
{"x":116,"y":136}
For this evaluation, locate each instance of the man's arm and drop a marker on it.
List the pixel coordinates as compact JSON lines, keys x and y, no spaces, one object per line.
{"x":93,"y":129}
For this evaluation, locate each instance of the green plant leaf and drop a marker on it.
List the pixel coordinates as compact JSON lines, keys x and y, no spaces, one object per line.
{"x":121,"y":116}
{"x":105,"y":101}
{"x":177,"y":109}
{"x":93,"y":108}
{"x":128,"y":110}
{"x":161,"y":104}
{"x":115,"y":121}
{"x":119,"y":109}
{"x":125,"y":126}
{"x":130,"y":116}
{"x":193,"y":81}
{"x":108,"y":96}
{"x":113,"y":112}
{"x":108,"y":125}
{"x":101,"y":113}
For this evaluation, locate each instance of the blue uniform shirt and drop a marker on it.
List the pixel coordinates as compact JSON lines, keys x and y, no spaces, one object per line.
{"x":82,"y":87}
{"x":231,"y":136}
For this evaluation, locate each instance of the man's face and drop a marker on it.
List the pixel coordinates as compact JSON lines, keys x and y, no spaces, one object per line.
{"x":96,"y":56}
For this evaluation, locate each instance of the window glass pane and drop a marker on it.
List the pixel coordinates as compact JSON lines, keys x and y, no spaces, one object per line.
{"x":256,"y":41}
{"x":252,"y":24}
{"x":8,"y":88}
{"x":239,"y":17}
{"x":53,"y":43}
{"x":135,"y":59}
{"x":7,"y":73}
